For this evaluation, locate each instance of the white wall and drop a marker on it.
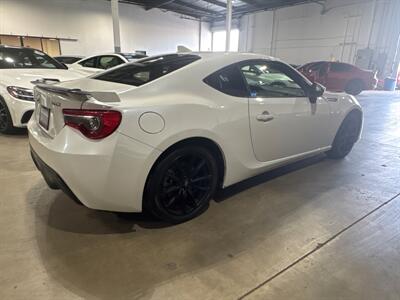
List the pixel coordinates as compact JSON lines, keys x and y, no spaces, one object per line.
{"x":302,"y":33}
{"x":89,"y":21}
{"x":206,"y":36}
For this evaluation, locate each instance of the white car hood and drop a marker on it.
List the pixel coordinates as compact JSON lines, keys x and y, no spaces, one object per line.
{"x":23,"y":77}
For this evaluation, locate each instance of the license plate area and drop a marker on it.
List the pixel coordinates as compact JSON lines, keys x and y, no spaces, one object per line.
{"x":44,"y":117}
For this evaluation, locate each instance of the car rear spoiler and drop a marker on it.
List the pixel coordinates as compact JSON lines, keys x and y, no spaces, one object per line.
{"x":78,"y":94}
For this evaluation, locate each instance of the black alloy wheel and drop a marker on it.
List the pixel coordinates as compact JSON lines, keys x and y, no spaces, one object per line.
{"x":6,"y":125}
{"x":182,"y":184}
{"x":346,"y":137}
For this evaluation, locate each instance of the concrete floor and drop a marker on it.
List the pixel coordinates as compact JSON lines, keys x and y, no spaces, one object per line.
{"x":319,"y":229}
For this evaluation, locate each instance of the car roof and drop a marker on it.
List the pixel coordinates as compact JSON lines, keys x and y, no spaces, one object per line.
{"x":210,"y":61}
{"x":240,"y":55}
{"x":18,"y":47}
{"x":129,"y":53}
{"x":77,"y":56}
{"x":226,"y":58}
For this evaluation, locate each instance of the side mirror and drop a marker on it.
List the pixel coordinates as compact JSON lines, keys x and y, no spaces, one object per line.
{"x":316,"y":90}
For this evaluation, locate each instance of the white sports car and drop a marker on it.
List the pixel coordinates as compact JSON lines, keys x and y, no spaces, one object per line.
{"x":164,"y":134}
{"x":20,"y":69}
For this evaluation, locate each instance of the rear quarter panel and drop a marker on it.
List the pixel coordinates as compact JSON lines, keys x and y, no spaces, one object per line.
{"x":193,"y":110}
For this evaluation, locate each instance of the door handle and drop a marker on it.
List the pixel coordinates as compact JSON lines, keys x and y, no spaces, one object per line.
{"x":265,"y":117}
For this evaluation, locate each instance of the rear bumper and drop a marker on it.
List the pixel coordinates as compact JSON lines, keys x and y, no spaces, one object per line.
{"x":109,"y":174}
{"x":53,"y":180}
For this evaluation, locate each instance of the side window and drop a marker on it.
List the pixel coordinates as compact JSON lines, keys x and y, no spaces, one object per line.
{"x":228,"y":81}
{"x":324,"y":69}
{"x":89,"y":63}
{"x":271,"y":80}
{"x":107,"y":62}
{"x":338,"y":67}
{"x":42,"y":61}
{"x":315,"y":67}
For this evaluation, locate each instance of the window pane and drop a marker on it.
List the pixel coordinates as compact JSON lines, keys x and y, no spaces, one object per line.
{"x":89,"y":63}
{"x":147,"y":70}
{"x":11,"y":58}
{"x":337,"y":67}
{"x":267,"y":81}
{"x":229,"y":81}
{"x":107,"y":62}
{"x":316,"y":67}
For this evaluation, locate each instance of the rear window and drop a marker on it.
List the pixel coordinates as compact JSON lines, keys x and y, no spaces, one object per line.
{"x":147,"y":70}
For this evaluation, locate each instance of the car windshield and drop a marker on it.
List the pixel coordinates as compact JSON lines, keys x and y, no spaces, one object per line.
{"x":20,"y":58}
{"x":147,"y":70}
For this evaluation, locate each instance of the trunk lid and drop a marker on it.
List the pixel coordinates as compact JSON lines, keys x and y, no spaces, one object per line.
{"x":50,"y":100}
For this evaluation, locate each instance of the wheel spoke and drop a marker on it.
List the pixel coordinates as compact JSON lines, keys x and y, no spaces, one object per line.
{"x":171,"y":174}
{"x":197,"y":179}
{"x":201,"y":188}
{"x":170,"y":201}
{"x":192,"y":198}
{"x":198,"y":167}
{"x":183,"y":204}
{"x":170,"y":190}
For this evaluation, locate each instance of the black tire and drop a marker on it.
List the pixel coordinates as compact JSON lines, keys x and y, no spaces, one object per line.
{"x":354,"y":87}
{"x":346,"y":136}
{"x":6,"y":124}
{"x":181,"y":184}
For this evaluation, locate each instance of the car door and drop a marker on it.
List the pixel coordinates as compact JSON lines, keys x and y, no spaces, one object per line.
{"x":321,"y":71}
{"x":312,"y":71}
{"x":338,"y":76}
{"x":283,"y":121}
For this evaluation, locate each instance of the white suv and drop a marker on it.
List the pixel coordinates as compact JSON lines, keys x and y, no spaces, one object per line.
{"x":20,"y":69}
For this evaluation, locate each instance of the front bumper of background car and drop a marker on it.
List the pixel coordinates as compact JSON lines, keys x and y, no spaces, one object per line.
{"x":20,"y":110}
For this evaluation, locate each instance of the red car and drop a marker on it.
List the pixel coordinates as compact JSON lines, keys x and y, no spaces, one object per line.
{"x":339,"y":77}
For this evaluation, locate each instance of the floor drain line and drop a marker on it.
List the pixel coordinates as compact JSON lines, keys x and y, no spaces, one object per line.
{"x":319,"y":246}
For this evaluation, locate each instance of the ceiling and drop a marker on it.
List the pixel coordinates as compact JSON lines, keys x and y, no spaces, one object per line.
{"x":214,"y":10}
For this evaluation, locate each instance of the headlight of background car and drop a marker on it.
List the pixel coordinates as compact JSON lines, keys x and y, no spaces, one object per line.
{"x":20,"y":93}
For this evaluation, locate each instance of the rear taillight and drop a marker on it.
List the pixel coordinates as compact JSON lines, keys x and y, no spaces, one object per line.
{"x":94,"y":124}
